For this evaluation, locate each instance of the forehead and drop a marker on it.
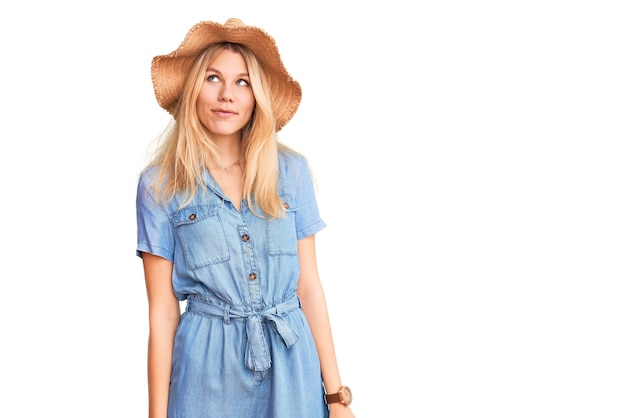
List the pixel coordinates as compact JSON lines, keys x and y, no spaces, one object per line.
{"x":228,"y":61}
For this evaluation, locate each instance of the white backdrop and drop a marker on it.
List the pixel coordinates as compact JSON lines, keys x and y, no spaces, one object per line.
{"x":469,"y":159}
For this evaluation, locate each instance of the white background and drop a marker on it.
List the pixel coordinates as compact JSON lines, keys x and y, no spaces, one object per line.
{"x":469,"y":158}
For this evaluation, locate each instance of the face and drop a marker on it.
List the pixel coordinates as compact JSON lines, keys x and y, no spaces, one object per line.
{"x":226,"y":101}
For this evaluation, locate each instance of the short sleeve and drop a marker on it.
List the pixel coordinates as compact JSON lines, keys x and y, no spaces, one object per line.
{"x":154,"y":229}
{"x":308,"y":220}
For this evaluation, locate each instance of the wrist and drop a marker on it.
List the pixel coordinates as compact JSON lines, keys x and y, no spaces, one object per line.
{"x":343,"y":396}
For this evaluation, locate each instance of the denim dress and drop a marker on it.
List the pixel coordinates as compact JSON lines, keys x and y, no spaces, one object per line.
{"x":243,"y":347}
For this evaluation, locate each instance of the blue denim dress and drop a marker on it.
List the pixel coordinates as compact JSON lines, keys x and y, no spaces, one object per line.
{"x":243,"y":347}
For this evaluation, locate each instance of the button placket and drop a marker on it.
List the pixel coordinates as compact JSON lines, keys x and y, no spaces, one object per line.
{"x":250,"y":264}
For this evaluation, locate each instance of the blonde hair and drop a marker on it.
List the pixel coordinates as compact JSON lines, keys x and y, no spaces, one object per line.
{"x":186,"y":146}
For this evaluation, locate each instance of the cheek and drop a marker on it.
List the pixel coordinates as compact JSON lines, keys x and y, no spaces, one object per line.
{"x":203,"y":98}
{"x":203,"y":104}
{"x":250,"y":102}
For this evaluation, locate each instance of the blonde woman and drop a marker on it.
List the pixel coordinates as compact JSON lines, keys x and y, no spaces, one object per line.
{"x":227,"y":218}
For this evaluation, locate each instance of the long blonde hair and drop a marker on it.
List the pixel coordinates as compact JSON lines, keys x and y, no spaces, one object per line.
{"x":186,"y":146}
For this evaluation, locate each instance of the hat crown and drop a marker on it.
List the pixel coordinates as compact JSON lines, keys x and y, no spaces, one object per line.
{"x":233,"y":22}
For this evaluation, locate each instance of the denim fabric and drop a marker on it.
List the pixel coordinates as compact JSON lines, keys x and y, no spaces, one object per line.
{"x":243,"y":347}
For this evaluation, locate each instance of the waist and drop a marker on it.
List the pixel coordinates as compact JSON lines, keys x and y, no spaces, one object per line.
{"x":197,"y":305}
{"x":257,"y":356}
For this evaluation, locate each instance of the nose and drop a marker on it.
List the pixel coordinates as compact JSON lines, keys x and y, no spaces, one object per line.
{"x":225,"y":94}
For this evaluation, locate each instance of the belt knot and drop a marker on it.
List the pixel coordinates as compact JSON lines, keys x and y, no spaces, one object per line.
{"x":257,"y":356}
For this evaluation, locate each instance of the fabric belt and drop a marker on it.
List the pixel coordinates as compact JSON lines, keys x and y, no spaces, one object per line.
{"x":257,"y":351}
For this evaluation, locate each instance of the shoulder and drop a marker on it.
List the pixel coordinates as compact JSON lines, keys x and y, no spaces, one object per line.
{"x":148,"y":175}
{"x":291,"y":163}
{"x":289,"y":156}
{"x":146,"y":184}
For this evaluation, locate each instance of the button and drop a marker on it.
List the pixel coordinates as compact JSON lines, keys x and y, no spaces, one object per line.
{"x":252,"y":276}
{"x":245,"y":237}
{"x":192,"y":217}
{"x":286,"y":205}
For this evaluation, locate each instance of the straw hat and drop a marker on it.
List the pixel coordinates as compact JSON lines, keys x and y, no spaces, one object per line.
{"x":169,"y":71}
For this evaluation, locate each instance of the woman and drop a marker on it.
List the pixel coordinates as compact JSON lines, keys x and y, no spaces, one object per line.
{"x":226,"y":220}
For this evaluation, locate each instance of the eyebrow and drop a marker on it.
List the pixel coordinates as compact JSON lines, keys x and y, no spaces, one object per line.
{"x":215,"y":70}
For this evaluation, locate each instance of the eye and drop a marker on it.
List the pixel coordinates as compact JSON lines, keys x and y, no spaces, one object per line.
{"x":213,"y":78}
{"x":242,"y":82}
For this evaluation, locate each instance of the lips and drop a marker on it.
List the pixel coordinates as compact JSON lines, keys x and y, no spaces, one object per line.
{"x":224,"y":112}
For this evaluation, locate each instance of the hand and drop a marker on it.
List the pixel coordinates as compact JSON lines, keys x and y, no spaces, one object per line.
{"x":338,"y":410}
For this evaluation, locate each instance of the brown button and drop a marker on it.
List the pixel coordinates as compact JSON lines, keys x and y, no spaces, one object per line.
{"x":192,"y":217}
{"x":245,"y":237}
{"x":286,"y":205}
{"x":252,"y":276}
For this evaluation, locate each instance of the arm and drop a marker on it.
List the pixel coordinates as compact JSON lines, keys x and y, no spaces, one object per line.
{"x":164,"y":315}
{"x":314,"y":306}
